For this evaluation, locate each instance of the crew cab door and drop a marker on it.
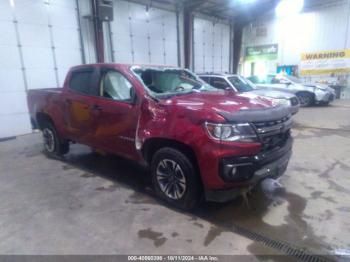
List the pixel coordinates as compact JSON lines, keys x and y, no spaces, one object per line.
{"x":117,"y":111}
{"x":79,"y":95}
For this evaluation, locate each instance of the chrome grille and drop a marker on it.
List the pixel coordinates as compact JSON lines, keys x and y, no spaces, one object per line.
{"x":274,"y":133}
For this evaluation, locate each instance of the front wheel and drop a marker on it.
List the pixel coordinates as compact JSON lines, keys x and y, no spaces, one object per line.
{"x":53,"y":145}
{"x":175,"y":179}
{"x":305,"y":99}
{"x":325,"y":103}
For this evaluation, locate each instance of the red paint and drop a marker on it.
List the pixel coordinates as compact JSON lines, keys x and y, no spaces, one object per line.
{"x":179,"y":118}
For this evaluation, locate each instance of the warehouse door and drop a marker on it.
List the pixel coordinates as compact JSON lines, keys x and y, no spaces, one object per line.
{"x":211,"y":46}
{"x":40,"y":41}
{"x":143,"y":35}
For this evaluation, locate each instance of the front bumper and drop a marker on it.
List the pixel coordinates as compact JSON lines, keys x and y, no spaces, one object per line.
{"x":294,"y":109}
{"x":324,"y":97}
{"x":294,"y":105}
{"x":253,"y":170}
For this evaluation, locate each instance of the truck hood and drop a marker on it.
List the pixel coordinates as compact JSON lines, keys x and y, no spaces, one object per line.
{"x":218,"y":101}
{"x":272,"y":93}
{"x":230,"y":105}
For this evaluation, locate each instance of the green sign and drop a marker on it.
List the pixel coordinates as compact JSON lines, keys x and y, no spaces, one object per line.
{"x":261,"y":52}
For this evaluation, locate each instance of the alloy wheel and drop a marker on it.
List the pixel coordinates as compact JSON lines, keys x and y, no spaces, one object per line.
{"x":49,"y":140}
{"x":304,"y":100}
{"x":171,"y":179}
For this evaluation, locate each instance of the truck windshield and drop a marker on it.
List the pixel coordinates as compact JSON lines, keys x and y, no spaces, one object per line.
{"x":167,"y":82}
{"x":241,"y":84}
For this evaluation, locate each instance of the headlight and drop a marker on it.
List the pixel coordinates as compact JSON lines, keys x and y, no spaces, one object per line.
{"x":227,"y":132}
{"x":322,"y":89}
{"x":282,"y":101}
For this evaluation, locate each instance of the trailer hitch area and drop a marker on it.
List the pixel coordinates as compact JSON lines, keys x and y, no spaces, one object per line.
{"x":270,"y":188}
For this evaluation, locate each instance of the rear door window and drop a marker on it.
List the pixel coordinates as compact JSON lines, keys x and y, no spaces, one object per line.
{"x":82,"y":81}
{"x":205,"y":78}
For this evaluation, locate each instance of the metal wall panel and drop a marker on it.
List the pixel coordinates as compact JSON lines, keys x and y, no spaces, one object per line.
{"x":13,"y":107}
{"x":41,"y":43}
{"x":211,"y":46}
{"x":143,"y":37}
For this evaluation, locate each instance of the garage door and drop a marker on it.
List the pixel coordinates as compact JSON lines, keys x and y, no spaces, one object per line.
{"x":41,"y":43}
{"x":143,"y":36}
{"x":211,"y":46}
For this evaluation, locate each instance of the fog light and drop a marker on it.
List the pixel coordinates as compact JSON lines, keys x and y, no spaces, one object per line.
{"x":233,"y":171}
{"x":230,"y":171}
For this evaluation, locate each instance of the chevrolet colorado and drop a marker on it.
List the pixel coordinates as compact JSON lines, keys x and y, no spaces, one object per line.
{"x":197,"y":140}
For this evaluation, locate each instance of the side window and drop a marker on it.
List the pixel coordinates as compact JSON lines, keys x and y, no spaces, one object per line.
{"x":115,"y":86}
{"x":205,"y":79}
{"x":219,"y":83}
{"x":81,"y":81}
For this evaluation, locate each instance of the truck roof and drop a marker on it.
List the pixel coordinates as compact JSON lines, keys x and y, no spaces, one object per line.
{"x":120,"y":65}
{"x":216,"y":74}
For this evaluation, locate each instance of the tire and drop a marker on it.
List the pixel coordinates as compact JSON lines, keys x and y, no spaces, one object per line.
{"x":53,"y":144}
{"x":325,"y":103}
{"x":175,"y":179}
{"x":305,"y":99}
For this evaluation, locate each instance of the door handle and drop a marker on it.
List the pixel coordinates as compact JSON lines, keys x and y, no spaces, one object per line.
{"x":96,"y":107}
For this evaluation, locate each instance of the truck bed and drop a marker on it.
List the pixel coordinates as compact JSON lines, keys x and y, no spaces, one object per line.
{"x":40,"y":100}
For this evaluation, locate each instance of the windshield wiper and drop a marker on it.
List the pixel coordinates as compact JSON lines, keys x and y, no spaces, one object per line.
{"x":174,"y":94}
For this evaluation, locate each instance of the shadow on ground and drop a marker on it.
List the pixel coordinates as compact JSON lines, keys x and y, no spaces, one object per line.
{"x":223,"y":217}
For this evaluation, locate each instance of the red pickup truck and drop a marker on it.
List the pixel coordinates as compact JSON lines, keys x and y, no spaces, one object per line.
{"x":197,"y":140}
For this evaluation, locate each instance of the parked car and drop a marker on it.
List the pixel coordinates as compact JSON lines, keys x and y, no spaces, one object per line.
{"x":196,"y":139}
{"x":240,"y":84}
{"x":308,"y":94}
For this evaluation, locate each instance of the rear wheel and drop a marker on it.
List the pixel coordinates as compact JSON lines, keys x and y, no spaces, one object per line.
{"x":175,"y":179}
{"x":53,"y":144}
{"x":305,"y":99}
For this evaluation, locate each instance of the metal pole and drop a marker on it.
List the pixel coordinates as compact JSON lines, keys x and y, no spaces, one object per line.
{"x":82,"y":51}
{"x":52,"y":42}
{"x":231,"y":48}
{"x":178,"y":37}
{"x":111,"y":43}
{"x":98,"y":32}
{"x":188,"y":34}
{"x":237,"y":45}
{"x":20,"y":51}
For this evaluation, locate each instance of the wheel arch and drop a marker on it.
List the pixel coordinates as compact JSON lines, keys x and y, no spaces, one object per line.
{"x":41,"y":118}
{"x":303,"y":92}
{"x":152,"y":145}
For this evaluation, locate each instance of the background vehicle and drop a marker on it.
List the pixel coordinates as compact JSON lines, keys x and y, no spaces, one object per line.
{"x":240,"y":84}
{"x":308,"y":94}
{"x":195,"y":138}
